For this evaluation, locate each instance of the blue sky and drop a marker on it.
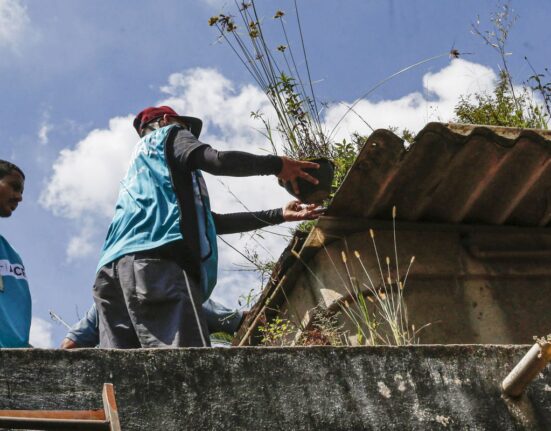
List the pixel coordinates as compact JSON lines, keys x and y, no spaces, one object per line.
{"x":73,"y":74}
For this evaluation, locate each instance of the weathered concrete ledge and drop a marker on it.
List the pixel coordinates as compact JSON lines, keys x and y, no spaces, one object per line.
{"x":418,"y":387}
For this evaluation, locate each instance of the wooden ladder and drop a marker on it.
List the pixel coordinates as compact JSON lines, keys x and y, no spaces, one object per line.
{"x":106,"y":419}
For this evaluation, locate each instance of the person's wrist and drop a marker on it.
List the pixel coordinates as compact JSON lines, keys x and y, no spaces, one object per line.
{"x":283,"y":214}
{"x":278,"y":163}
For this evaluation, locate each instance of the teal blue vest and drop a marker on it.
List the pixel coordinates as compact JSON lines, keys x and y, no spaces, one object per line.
{"x":147,"y":214}
{"x":15,"y":299}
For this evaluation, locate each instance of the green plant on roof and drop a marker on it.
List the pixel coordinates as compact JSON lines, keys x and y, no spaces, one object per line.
{"x":508,"y":105}
{"x":502,"y":108}
{"x":277,"y":332}
{"x":275,"y":69}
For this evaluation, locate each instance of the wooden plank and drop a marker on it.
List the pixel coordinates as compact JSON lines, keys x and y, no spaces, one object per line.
{"x":53,"y":424}
{"x":245,"y":338}
{"x":55,"y":414}
{"x":110,"y":407}
{"x":106,"y":419}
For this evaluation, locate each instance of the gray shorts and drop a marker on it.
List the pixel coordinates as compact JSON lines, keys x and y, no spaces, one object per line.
{"x":144,"y":301}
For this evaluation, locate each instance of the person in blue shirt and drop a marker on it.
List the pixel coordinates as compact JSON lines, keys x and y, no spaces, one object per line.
{"x":85,"y":333}
{"x":15,"y":298}
{"x":159,"y":260}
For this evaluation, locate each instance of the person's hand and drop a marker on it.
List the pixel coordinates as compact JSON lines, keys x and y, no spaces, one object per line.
{"x":296,"y":211}
{"x":293,"y":169}
{"x":67,"y":343}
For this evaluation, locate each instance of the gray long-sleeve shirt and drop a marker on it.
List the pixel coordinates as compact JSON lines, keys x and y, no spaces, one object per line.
{"x":85,"y":333}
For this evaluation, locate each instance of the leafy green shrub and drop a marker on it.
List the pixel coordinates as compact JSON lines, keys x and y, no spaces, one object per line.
{"x":277,"y":332}
{"x":508,"y":105}
{"x":501,"y":108}
{"x":344,"y":155}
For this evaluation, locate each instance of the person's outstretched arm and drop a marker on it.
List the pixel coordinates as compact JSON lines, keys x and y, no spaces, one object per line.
{"x":84,"y":333}
{"x":247,"y":221}
{"x":192,"y":154}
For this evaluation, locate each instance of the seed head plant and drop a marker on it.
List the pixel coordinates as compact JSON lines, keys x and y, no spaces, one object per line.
{"x":509,"y":105}
{"x":376,"y":308}
{"x":542,"y":341}
{"x":275,"y":69}
{"x":325,"y":329}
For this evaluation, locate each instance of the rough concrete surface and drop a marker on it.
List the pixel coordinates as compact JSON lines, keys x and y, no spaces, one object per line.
{"x":316,"y":388}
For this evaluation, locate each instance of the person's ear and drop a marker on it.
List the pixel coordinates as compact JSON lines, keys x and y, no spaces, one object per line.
{"x":165,"y":120}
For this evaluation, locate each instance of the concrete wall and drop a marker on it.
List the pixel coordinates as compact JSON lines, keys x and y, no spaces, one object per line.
{"x":489,"y":286}
{"x":321,"y":388}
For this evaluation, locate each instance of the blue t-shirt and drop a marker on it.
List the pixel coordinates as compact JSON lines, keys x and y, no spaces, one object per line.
{"x":15,"y":299}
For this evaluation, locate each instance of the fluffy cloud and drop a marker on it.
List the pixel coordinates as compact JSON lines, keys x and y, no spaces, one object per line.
{"x":87,"y":241}
{"x":14,"y":23}
{"x":414,"y":110}
{"x":41,"y":333}
{"x":225,"y":110}
{"x":85,"y":178}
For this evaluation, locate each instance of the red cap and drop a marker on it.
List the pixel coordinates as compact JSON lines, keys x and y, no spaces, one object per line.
{"x":153,"y":112}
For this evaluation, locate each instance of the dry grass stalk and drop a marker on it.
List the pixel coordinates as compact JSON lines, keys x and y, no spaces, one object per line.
{"x":383,"y":318}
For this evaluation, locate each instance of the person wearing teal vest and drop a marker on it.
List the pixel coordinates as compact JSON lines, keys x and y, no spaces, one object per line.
{"x":15,"y":298}
{"x":159,"y":260}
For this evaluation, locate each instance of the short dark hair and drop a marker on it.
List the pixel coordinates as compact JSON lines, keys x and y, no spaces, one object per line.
{"x":7,"y":168}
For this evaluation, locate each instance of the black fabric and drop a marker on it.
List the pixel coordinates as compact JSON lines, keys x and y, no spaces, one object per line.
{"x":233,"y":163}
{"x":185,"y":252}
{"x":246,"y":221}
{"x":182,"y":144}
{"x":192,"y":154}
{"x":186,"y":153}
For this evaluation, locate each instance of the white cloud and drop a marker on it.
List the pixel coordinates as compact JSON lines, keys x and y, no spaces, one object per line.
{"x":85,"y":243}
{"x":225,"y":110}
{"x":85,"y":179}
{"x":459,"y":78}
{"x":45,"y":128}
{"x":43,"y":131}
{"x":14,"y":23}
{"x":41,"y":333}
{"x":414,"y":110}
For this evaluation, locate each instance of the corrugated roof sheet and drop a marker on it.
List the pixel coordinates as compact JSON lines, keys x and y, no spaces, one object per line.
{"x":452,"y":174}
